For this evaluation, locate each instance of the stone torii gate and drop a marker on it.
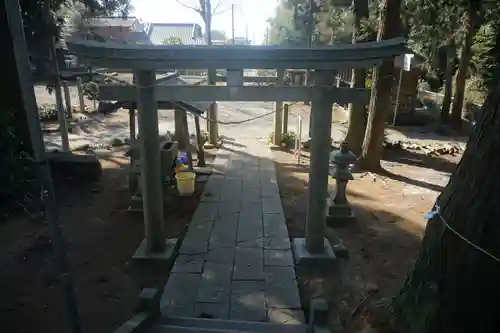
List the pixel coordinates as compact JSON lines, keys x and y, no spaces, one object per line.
{"x":325,"y":61}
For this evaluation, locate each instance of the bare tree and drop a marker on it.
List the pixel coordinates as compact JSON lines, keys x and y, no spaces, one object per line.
{"x":207,"y":9}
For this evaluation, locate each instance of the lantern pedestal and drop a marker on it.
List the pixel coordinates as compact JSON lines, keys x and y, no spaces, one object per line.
{"x":339,"y":215}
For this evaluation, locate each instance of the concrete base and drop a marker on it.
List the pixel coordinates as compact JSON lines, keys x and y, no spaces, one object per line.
{"x":135,"y":205}
{"x":272,"y":146}
{"x":168,"y":255}
{"x":324,"y":261}
{"x":81,"y":168}
{"x":340,"y":216}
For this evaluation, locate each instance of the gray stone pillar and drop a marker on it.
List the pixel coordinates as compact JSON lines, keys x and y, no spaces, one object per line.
{"x":321,"y":125}
{"x":278,"y":115}
{"x":152,"y":192}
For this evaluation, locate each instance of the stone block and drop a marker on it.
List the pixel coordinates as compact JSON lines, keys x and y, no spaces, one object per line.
{"x":325,"y":261}
{"x":81,"y":168}
{"x":340,"y":216}
{"x":149,"y":300}
{"x":166,"y":257}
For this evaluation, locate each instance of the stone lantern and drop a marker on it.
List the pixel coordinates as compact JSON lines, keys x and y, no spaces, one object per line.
{"x":339,"y":210}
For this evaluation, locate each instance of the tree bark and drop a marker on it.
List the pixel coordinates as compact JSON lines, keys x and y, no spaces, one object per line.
{"x":357,"y":120}
{"x":453,"y":286}
{"x":448,"y":82}
{"x":381,"y":97}
{"x":463,"y":68}
{"x":14,"y":121}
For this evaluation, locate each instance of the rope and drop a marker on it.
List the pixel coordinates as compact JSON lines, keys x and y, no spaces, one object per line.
{"x":236,"y":122}
{"x":436,"y":212}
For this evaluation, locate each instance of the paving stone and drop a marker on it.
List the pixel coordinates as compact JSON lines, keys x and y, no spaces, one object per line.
{"x":246,"y":287}
{"x":277,"y":274}
{"x":251,"y":210}
{"x":274,"y":225}
{"x":278,"y":258}
{"x":193,"y":246}
{"x":200,"y":229}
{"x":282,"y":294}
{"x":252,"y":195}
{"x":180,"y":293}
{"x":223,"y":255}
{"x":205,"y":212}
{"x":251,"y":183}
{"x":189,"y":263}
{"x":274,"y":243}
{"x":248,"y":256}
{"x":253,"y":243}
{"x":249,"y":307}
{"x":223,"y":235}
{"x":286,"y":316}
{"x":215,"y":283}
{"x":272,"y":205}
{"x":248,"y":264}
{"x":248,"y":232}
{"x":212,"y":310}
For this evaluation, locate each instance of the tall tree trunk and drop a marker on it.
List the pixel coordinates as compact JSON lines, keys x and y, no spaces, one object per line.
{"x":454,"y":286}
{"x":357,"y":120}
{"x":381,"y":97}
{"x":17,"y":175}
{"x":448,"y":82}
{"x":463,"y":67}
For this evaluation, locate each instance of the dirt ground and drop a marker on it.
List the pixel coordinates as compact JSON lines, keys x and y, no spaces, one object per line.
{"x":102,"y":237}
{"x":384,"y":242}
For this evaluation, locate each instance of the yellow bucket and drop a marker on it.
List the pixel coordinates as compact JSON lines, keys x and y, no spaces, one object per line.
{"x":185,"y":183}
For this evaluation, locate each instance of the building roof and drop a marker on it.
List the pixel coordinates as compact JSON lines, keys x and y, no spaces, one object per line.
{"x":188,"y":33}
{"x":112,"y":21}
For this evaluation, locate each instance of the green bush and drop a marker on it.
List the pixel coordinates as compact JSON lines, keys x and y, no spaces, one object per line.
{"x":16,"y":172}
{"x":287,"y":139}
{"x":47,"y":112}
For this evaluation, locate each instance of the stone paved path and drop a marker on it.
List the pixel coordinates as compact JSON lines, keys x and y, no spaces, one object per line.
{"x":235,"y":261}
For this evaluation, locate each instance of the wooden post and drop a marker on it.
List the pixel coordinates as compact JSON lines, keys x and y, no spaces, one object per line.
{"x":201,"y":151}
{"x":185,"y":139}
{"x":67,"y":98}
{"x":278,"y":113}
{"x":179,"y":128}
{"x":152,"y":191}
{"x":285,"y":118}
{"x":398,"y":93}
{"x":79,"y":86}
{"x":321,"y":119}
{"x":131,"y":123}
{"x":63,"y":125}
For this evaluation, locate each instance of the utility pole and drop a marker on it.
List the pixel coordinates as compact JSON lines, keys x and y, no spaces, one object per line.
{"x":212,"y":125}
{"x":232,"y":23}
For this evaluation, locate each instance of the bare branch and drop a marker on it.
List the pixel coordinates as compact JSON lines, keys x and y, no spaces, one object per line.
{"x":196,"y":9}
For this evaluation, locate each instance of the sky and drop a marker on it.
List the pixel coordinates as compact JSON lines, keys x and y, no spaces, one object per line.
{"x":251,"y":13}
